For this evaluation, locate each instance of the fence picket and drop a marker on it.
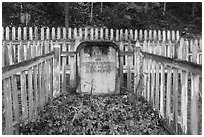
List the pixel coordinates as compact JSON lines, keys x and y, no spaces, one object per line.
{"x":136,"y":35}
{"x":64,"y":60}
{"x":96,"y":33}
{"x":117,"y":35}
{"x":106,"y":34}
{"x":53,"y":33}
{"x":30,"y":92}
{"x":7,"y":33}
{"x":30,"y":33}
{"x":13,"y":33}
{"x":121,"y":63}
{"x":8,"y":107}
{"x":15,"y":103}
{"x":129,"y":67}
{"x":111,"y":34}
{"x":23,"y":95}
{"x":101,"y":34}
{"x":36,"y":94}
{"x":175,"y":99}
{"x":58,"y":33}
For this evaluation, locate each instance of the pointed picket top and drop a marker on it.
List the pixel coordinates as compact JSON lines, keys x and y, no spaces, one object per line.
{"x":75,"y":33}
{"x":92,"y":34}
{"x":111,"y":34}
{"x":64,"y":31}
{"x":117,"y":35}
{"x":53,"y":33}
{"x":106,"y":34}
{"x":101,"y":33}
{"x":13,"y":33}
{"x":177,"y":35}
{"x":121,"y":34}
{"x":42,"y":33}
{"x":58,"y":33}
{"x":131,"y":35}
{"x":80,"y":33}
{"x":86,"y":33}
{"x":30,"y":33}
{"x":159,"y":35}
{"x":150,"y":35}
{"x":126,"y":34}
{"x":136,"y":35}
{"x":168,"y":35}
{"x":140,"y":35}
{"x":155,"y":35}
{"x":163,"y":35}
{"x":145,"y":34}
{"x":173,"y":37}
{"x":69,"y":33}
{"x":47,"y":33}
{"x":24,"y":33}
{"x":36,"y":33}
{"x":19,"y":33}
{"x":96,"y":33}
{"x":7,"y":33}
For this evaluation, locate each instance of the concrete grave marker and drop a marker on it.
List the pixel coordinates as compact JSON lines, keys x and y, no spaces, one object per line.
{"x":98,"y":68}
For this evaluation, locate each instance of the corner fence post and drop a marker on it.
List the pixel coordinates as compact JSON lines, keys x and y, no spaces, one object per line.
{"x":137,"y":55}
{"x":56,"y":75}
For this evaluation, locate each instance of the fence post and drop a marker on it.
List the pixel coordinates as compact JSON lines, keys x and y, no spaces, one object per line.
{"x":56,"y":78}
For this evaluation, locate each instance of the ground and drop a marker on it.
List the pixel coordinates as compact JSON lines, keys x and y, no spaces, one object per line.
{"x":79,"y":114}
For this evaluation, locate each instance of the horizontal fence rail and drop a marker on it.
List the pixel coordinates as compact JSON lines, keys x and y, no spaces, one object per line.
{"x":170,"y":85}
{"x":155,"y":64}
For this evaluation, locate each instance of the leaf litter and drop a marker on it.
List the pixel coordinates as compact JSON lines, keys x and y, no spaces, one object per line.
{"x":78,"y":114}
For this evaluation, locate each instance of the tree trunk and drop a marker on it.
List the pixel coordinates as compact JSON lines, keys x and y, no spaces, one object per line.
{"x":66,"y":15}
{"x":91,"y":12}
{"x":193,"y":9}
{"x":164,"y":9}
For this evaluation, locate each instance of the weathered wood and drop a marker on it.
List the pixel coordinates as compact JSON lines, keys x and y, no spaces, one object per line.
{"x":180,"y":64}
{"x":129,"y":66}
{"x":15,"y":103}
{"x":23,"y":95}
{"x":36,"y":91}
{"x":168,"y":93}
{"x":56,"y":77}
{"x":175,"y":99}
{"x":58,"y":33}
{"x":121,"y":64}
{"x":8,"y":107}
{"x":40,"y":85}
{"x":64,"y":60}
{"x":7,"y":33}
{"x":194,"y":104}
{"x":24,"y":65}
{"x":30,"y":93}
{"x":96,"y":33}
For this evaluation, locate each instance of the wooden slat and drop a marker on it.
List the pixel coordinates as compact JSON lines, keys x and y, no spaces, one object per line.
{"x":15,"y":103}
{"x":168,"y":93}
{"x":56,"y":77}
{"x":64,"y":60}
{"x":157,"y":86}
{"x":43,"y":91}
{"x":121,"y":64}
{"x":8,"y":107}
{"x":180,"y":64}
{"x":175,"y":99}
{"x":30,"y":93}
{"x":23,"y":95}
{"x":96,"y":33}
{"x":13,"y":69}
{"x":40,"y":86}
{"x":129,"y":66}
{"x":194,"y":104}
{"x":36,"y":94}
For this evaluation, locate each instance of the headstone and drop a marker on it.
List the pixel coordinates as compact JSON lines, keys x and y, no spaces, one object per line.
{"x":98,"y":68}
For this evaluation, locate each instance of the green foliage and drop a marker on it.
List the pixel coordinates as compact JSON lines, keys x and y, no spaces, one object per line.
{"x":117,"y":15}
{"x":91,"y":115}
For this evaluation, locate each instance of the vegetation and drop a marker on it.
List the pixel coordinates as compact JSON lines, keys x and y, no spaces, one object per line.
{"x":134,"y":15}
{"x":77,"y":114}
